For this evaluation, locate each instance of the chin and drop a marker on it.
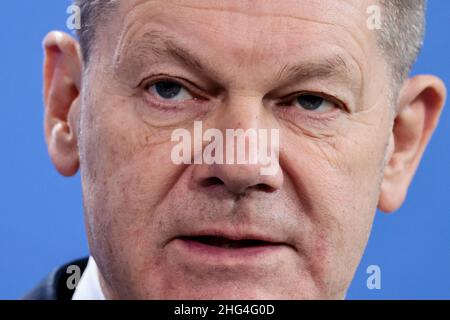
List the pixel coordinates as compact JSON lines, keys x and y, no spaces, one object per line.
{"x":236,"y":291}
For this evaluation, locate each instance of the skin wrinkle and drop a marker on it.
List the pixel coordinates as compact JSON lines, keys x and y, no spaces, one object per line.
{"x":124,"y":34}
{"x":334,"y":68}
{"x":163,"y":47}
{"x":361,"y":11}
{"x":320,"y":145}
{"x":271,"y":14}
{"x":294,"y":203}
{"x":159,"y":46}
{"x":323,"y":138}
{"x":166,"y":194}
{"x":321,"y":202}
{"x":360,"y":44}
{"x":301,"y":189}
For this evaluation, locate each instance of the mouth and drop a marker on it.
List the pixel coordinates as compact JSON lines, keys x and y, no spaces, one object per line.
{"x":219,"y":246}
{"x":227,"y":243}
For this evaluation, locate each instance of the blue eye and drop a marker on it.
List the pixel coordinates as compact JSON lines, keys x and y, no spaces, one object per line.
{"x":170,"y":90}
{"x":313,"y":103}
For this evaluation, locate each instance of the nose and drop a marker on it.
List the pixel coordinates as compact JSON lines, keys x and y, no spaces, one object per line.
{"x":246,"y":131}
{"x":239,"y":179}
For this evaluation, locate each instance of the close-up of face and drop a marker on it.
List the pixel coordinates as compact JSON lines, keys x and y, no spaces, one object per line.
{"x":350,"y":141}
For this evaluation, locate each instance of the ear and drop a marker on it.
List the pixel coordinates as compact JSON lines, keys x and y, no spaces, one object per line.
{"x":418,"y":109}
{"x":62,"y":81}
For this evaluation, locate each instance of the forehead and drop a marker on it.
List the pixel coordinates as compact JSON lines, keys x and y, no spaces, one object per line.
{"x":250,"y":23}
{"x":347,"y":13}
{"x":246,"y":32}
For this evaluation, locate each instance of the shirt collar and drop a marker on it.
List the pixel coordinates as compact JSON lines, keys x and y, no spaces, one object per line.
{"x":88,"y":287}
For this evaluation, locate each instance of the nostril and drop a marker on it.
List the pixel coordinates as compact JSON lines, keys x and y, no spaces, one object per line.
{"x":212,"y":181}
{"x":264,"y":187}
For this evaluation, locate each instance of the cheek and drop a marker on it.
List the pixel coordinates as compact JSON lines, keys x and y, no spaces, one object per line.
{"x":121,"y":153}
{"x":337,"y":181}
{"x":126,"y":171}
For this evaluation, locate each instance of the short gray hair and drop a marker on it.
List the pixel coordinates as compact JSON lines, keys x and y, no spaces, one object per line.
{"x":400,"y":38}
{"x":401,"y":35}
{"x":93,"y":13}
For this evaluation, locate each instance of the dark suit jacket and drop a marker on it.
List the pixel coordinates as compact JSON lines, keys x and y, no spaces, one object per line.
{"x":54,"y":286}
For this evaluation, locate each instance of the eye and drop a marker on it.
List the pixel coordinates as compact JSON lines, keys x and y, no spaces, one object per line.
{"x":169,"y":90}
{"x":312,"y":102}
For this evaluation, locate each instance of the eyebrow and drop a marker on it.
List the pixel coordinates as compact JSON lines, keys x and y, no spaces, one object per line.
{"x":155,"y":45}
{"x":161,"y":46}
{"x":331,"y":67}
{"x":166,"y":46}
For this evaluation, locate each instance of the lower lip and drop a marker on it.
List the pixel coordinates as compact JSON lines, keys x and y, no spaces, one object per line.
{"x":196,"y":247}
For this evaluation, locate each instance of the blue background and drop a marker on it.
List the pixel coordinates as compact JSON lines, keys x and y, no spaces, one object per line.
{"x":41,"y":223}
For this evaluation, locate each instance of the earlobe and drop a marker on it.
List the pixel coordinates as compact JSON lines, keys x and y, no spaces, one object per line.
{"x":419,"y":106}
{"x":62,"y":83}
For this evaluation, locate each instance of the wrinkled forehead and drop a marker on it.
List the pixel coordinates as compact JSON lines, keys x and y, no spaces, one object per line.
{"x":331,"y":11}
{"x":242,"y":32}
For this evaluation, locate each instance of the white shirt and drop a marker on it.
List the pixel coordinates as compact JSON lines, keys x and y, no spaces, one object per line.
{"x":88,"y":287}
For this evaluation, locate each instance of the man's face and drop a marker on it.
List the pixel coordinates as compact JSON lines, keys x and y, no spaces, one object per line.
{"x":310,"y":69}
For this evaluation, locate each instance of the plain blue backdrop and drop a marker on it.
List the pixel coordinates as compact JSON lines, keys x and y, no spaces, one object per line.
{"x":41,"y":223}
